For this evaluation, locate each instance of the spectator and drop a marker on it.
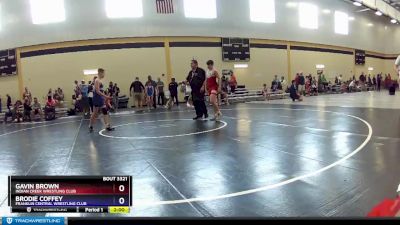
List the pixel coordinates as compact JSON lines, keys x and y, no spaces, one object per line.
{"x":379,"y":82}
{"x":173,"y":90}
{"x":362,"y":78}
{"x":115,"y":97}
{"x":296,"y":80}
{"x":233,"y":82}
{"x":340,"y":79}
{"x":283,"y":83}
{"x":9,"y":102}
{"x":374,"y":81}
{"x":84,"y":100}
{"x":150,"y":92}
{"x":224,"y":89}
{"x":154,"y":84}
{"x":314,"y":87}
{"x":324,"y":82}
{"x":265,"y":92}
{"x":137,"y":92}
{"x":55,"y":95}
{"x":8,"y":114}
{"x":50,"y":93}
{"x":161,"y":94}
{"x":302,"y":83}
{"x":18,"y":111}
{"x":187,"y":91}
{"x":336,"y":80}
{"x":369,"y":82}
{"x":37,"y":108}
{"x":50,"y":109}
{"x":275,"y":84}
{"x":352,"y":86}
{"x":27,"y":94}
{"x":110,"y":89}
{"x":294,"y":95}
{"x":27,"y":110}
{"x":61,"y":94}
{"x":77,"y":88}
{"x":90,"y":93}
{"x":1,"y":108}
{"x":386,"y":81}
{"x":308,"y":86}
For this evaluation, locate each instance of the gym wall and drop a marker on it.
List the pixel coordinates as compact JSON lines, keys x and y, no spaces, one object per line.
{"x":59,"y":64}
{"x":9,"y":85}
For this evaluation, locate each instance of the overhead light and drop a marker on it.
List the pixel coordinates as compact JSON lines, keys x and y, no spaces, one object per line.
{"x":47,"y":11}
{"x":370,"y":24}
{"x":351,"y":18}
{"x":378,"y":13}
{"x":262,"y":11}
{"x":124,"y":8}
{"x":370,"y":68}
{"x":356,"y":3}
{"x":291,"y":4}
{"x":326,"y":11}
{"x":90,"y":72}
{"x":204,"y":9}
{"x":341,"y":23}
{"x":308,"y":16}
{"x":320,"y":66}
{"x":241,"y":66}
{"x":393,"y":21}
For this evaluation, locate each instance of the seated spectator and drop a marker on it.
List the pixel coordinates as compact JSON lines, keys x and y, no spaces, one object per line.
{"x":27,"y":110}
{"x":352,"y":86}
{"x":50,"y":93}
{"x":343,"y":87}
{"x":61,"y":94}
{"x":224,"y":90}
{"x":283,"y":83}
{"x":50,"y":109}
{"x":340,"y":79}
{"x":314,"y":87}
{"x":308,"y":86}
{"x":18,"y":111}
{"x":265,"y":92}
{"x":56,"y":95}
{"x":37,"y":108}
{"x":294,"y":94}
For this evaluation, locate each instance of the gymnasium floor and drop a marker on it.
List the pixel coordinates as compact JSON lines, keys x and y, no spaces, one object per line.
{"x":334,"y":155}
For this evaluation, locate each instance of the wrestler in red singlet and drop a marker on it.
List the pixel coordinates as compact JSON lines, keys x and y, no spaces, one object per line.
{"x":212,"y":84}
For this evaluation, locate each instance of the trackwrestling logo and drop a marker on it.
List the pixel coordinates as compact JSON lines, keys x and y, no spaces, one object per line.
{"x":33,"y":220}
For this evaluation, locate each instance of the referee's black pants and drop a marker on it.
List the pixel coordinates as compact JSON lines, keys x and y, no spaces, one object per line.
{"x":200,"y":107}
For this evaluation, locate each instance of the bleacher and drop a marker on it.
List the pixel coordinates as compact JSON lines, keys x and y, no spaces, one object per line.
{"x":243,"y":95}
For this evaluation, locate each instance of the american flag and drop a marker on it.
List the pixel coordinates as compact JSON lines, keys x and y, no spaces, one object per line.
{"x":165,"y":6}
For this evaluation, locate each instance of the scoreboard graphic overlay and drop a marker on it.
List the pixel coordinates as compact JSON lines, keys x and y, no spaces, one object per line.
{"x":70,"y":194}
{"x":8,"y":62}
{"x":236,"y":49}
